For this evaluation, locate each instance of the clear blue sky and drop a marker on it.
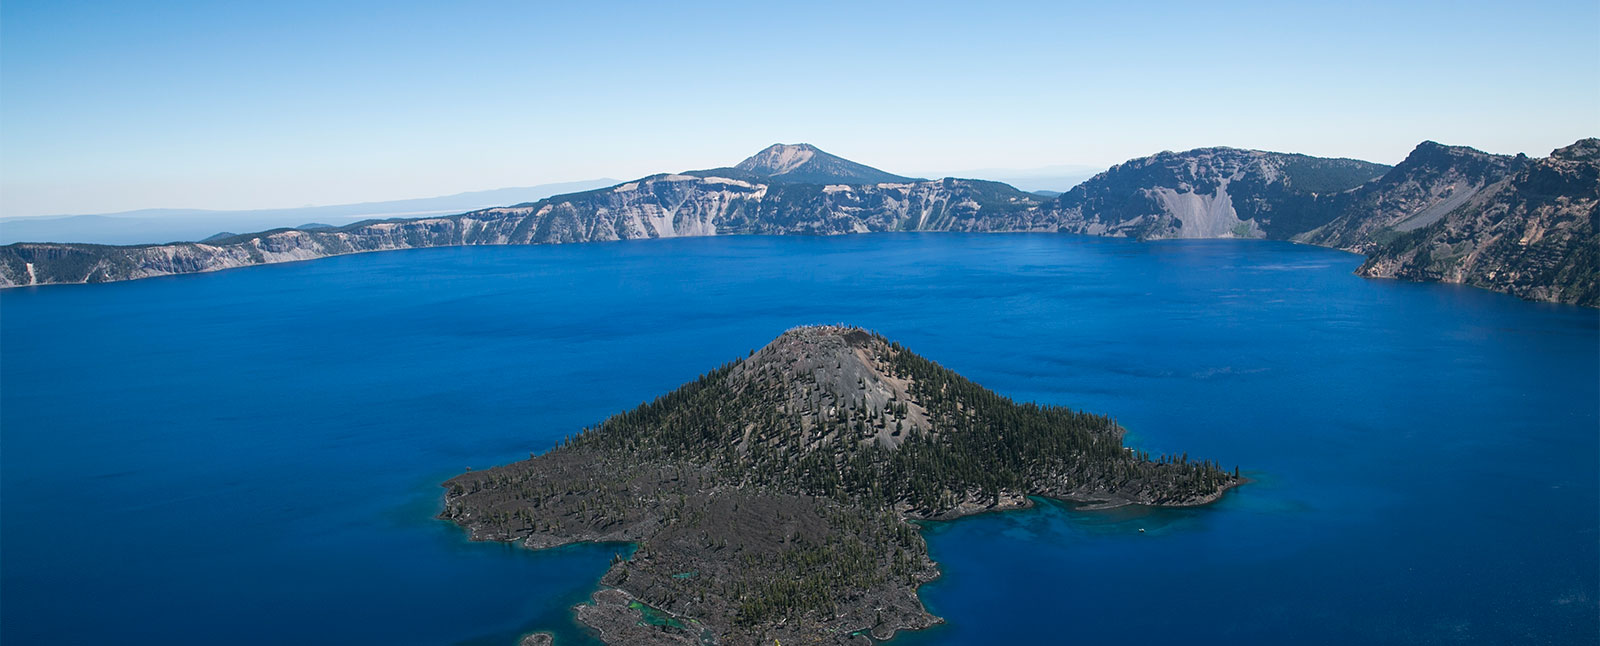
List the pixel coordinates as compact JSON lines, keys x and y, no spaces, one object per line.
{"x":126,"y":105}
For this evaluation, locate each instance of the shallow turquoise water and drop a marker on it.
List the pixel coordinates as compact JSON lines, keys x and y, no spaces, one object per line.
{"x":252,"y":456}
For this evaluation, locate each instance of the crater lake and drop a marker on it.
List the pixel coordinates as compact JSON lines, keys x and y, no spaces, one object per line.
{"x":254,"y":456}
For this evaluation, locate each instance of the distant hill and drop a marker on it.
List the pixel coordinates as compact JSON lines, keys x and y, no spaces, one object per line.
{"x":1047,"y":179}
{"x":1211,"y":193}
{"x":153,"y":226}
{"x":805,"y":164}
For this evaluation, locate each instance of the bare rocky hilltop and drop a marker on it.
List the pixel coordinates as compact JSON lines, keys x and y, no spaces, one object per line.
{"x":1453,"y":214}
{"x":771,"y":498}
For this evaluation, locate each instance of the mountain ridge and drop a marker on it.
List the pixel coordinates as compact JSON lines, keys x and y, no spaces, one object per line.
{"x":1202,"y":193}
{"x":1209,"y":193}
{"x":1531,"y":232}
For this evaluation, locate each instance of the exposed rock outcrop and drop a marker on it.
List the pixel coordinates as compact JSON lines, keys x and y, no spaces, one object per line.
{"x":1210,"y":193}
{"x":1531,"y":232}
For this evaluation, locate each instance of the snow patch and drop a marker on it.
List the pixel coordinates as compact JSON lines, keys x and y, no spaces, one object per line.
{"x":728,"y":181}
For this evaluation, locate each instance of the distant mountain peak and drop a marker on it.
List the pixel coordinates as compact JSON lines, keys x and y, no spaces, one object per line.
{"x":778,"y":159}
{"x":807,"y":164}
{"x":1433,"y":150}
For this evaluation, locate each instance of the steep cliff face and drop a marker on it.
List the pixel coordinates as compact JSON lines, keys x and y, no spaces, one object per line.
{"x":1210,"y":193}
{"x":1531,"y":233}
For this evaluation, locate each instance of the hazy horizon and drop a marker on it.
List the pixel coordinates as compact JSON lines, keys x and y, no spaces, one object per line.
{"x":1058,"y":177}
{"x":117,"y":107}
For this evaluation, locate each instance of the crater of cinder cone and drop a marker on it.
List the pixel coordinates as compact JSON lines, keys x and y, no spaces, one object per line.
{"x":832,"y":371}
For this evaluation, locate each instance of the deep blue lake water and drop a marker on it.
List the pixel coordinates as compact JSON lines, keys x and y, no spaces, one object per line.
{"x":253,"y":456}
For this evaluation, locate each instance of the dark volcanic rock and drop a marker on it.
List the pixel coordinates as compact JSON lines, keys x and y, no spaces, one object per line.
{"x":537,"y":639}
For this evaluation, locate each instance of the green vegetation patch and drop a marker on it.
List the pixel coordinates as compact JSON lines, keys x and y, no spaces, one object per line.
{"x":654,"y":617}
